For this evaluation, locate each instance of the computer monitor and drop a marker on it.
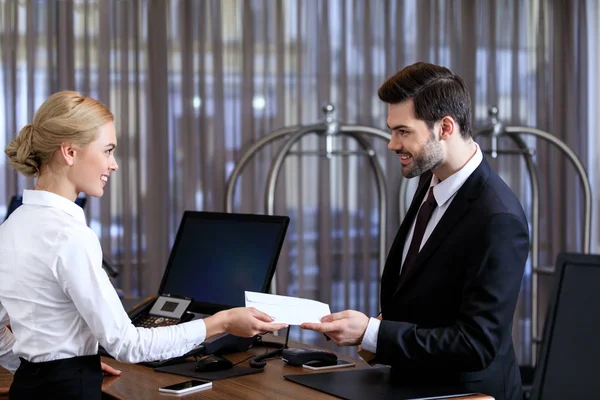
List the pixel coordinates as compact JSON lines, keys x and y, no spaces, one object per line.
{"x":568,"y":363}
{"x":218,"y":256}
{"x":16,"y":201}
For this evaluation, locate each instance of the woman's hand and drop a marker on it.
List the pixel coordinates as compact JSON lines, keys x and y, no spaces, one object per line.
{"x":241,"y":321}
{"x":108,"y":370}
{"x":110,"y":375}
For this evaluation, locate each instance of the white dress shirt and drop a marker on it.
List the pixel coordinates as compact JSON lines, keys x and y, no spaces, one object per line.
{"x":444,"y":192}
{"x":60,"y":300}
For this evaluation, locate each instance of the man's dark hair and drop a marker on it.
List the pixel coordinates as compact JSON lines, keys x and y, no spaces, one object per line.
{"x":436,"y":93}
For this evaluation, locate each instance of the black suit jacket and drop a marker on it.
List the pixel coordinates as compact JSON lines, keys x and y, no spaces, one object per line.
{"x":450,"y":320}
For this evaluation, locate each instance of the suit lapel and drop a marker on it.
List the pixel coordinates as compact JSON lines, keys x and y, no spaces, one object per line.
{"x":424,"y":182}
{"x":459,"y":207}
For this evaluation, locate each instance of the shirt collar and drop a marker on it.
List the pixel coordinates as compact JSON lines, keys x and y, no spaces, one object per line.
{"x":443,"y":191}
{"x":49,"y":199}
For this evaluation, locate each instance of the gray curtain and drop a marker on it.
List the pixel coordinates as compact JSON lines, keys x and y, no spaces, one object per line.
{"x":193,"y":83}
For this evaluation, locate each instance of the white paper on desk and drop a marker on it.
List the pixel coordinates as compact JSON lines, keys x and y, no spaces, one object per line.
{"x":288,"y":310}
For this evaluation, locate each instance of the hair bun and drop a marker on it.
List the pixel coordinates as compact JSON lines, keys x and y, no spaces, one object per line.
{"x":20,"y":152}
{"x":64,"y":117}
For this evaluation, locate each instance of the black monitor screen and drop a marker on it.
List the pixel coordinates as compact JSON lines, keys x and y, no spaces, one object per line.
{"x":16,"y":201}
{"x":217,"y":256}
{"x":568,"y":364}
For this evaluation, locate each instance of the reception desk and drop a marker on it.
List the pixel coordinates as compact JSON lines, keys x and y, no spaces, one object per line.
{"x":141,"y":382}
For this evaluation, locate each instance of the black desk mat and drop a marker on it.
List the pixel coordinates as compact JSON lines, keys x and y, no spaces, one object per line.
{"x":187,"y":369}
{"x":370,"y":383}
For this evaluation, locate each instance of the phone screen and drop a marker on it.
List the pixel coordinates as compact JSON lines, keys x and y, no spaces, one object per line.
{"x":186,"y":385}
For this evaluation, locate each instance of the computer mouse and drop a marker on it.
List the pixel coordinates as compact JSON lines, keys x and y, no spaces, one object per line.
{"x":211,"y":362}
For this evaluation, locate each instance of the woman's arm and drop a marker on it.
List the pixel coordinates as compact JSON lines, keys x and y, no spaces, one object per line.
{"x":80,"y":273}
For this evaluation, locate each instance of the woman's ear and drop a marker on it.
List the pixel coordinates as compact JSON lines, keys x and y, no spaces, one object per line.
{"x":67,"y":152}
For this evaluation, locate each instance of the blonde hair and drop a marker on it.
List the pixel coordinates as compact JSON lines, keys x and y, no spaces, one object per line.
{"x":65,"y":116}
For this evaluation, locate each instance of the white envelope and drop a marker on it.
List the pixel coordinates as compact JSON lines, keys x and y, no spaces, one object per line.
{"x":288,"y":310}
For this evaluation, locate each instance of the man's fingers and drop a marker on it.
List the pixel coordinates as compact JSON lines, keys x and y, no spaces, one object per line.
{"x":261,"y":315}
{"x":331,"y":327}
{"x":327,"y":318}
{"x":107,"y":369}
{"x":322,"y":327}
{"x":311,"y":326}
{"x":335,"y":316}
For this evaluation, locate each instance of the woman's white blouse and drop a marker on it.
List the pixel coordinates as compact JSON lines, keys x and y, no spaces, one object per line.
{"x":60,"y":301}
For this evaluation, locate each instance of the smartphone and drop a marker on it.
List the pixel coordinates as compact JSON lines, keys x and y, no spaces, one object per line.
{"x":186,"y":387}
{"x":320,"y":365}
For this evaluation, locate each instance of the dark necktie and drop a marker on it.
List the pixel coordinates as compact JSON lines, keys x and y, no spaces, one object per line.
{"x":422,"y":219}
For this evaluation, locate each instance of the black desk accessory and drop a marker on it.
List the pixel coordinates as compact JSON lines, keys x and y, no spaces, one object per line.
{"x":297,"y":357}
{"x":211,"y":363}
{"x":370,"y":383}
{"x":188,"y":369}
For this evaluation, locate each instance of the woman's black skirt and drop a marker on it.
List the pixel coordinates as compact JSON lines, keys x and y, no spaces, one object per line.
{"x":68,"y":379}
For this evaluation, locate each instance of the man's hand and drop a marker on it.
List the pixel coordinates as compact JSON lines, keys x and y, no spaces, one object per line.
{"x":108,"y":370}
{"x":345,"y":328}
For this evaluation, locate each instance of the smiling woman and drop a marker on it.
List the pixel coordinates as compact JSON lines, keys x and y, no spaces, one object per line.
{"x":60,"y":301}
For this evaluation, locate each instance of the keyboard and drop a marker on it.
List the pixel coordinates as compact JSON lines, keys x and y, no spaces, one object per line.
{"x":153,"y":321}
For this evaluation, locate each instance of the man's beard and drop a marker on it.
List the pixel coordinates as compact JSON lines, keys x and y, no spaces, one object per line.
{"x":429,"y":158}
